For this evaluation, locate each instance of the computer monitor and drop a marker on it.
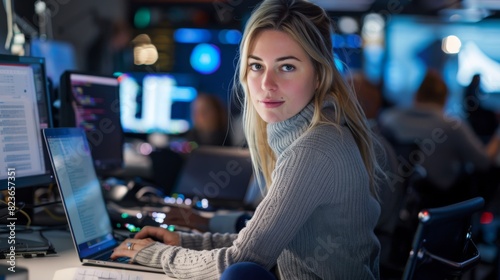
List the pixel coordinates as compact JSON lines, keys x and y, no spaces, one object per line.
{"x":24,"y":111}
{"x":156,"y":102}
{"x":4,"y":27}
{"x":59,"y":55}
{"x":458,"y":50}
{"x":91,"y":102}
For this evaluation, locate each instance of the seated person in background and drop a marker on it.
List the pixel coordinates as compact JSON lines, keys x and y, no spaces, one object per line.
{"x":445,"y":145}
{"x":210,"y":122}
{"x":484,"y":122}
{"x":309,"y":138}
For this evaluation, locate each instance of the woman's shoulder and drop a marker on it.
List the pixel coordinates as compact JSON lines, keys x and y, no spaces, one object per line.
{"x":326,"y":138}
{"x":328,"y":132}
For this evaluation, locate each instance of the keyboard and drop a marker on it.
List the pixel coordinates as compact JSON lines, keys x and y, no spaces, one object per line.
{"x":92,"y":273}
{"x":107,"y":257}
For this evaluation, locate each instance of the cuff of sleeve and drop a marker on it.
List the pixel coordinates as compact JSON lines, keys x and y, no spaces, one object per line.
{"x":186,"y":240}
{"x":149,"y":255}
{"x":224,"y":223}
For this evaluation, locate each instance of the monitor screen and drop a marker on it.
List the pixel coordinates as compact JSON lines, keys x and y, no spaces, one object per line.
{"x":92,"y":103}
{"x":156,"y":102}
{"x":60,"y":57}
{"x":458,"y":50}
{"x":24,"y":111}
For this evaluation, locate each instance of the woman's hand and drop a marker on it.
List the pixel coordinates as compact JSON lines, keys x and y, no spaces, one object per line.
{"x":145,"y":237}
{"x":159,"y":234}
{"x":130,"y":248}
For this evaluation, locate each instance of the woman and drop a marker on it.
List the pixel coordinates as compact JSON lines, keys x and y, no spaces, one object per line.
{"x":309,"y":138}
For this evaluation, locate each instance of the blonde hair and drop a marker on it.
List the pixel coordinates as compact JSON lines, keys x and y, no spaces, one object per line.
{"x":310,"y":27}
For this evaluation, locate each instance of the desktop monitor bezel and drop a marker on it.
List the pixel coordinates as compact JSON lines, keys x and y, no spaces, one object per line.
{"x":47,"y":177}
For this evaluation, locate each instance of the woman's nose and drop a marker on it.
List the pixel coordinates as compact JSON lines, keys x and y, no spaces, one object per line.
{"x":269,"y":81}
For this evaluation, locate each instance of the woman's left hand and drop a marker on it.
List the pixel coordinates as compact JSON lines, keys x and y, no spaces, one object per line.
{"x":130,"y":247}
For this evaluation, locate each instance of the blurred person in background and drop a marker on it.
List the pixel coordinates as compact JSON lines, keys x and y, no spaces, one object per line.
{"x":210,"y":122}
{"x":447,"y":148}
{"x":483,"y":121}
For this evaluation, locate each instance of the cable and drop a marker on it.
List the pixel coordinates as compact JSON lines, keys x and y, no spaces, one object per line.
{"x":8,"y":11}
{"x":20,"y":210}
{"x":47,"y":210}
{"x":51,"y":249}
{"x":49,"y":196}
{"x":31,"y":246}
{"x":33,"y":206}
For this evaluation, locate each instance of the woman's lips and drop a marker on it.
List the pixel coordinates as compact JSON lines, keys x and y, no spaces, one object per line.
{"x":272,"y":103}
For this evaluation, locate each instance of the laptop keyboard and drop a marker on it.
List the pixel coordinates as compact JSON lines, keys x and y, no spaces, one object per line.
{"x":107,"y":257}
{"x":120,"y":260}
{"x":86,"y":273}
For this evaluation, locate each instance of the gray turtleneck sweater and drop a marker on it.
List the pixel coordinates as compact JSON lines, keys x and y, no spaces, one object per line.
{"x":316,"y":222}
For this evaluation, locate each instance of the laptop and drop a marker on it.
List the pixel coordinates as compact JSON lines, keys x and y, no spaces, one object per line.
{"x":82,"y":198}
{"x":222,"y":175}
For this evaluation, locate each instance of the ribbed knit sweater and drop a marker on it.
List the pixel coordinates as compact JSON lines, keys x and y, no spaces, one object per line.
{"x":316,"y":222}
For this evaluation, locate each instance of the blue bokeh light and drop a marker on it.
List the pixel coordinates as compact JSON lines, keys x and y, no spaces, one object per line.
{"x":192,"y":35}
{"x":230,"y":36}
{"x":205,"y":58}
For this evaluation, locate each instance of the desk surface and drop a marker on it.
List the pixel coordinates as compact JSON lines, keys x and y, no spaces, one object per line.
{"x":43,"y":268}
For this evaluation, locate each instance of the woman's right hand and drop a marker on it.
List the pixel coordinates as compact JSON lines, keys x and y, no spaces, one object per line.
{"x":159,"y":234}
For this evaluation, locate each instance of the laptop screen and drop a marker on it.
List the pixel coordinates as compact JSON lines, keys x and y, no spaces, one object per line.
{"x":80,"y":190}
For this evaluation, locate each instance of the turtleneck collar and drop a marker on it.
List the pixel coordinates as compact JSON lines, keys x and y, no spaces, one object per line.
{"x":280,"y":135}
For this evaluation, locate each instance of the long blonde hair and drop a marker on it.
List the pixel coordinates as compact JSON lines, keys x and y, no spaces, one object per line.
{"x":310,"y":27}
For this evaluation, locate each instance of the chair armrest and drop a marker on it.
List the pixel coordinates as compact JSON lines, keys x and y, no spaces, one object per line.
{"x":476,"y":256}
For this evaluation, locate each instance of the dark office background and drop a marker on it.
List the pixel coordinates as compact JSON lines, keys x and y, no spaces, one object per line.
{"x":102,"y":38}
{"x":391,"y":41}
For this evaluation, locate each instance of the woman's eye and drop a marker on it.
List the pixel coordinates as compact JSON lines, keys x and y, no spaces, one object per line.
{"x":287,"y":68}
{"x":255,"y":67}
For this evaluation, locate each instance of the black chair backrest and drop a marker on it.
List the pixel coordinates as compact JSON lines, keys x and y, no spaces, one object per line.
{"x":442,"y":246}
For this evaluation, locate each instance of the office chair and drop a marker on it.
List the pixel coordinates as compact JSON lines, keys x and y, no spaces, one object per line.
{"x":442,"y":246}
{"x":413,"y":176}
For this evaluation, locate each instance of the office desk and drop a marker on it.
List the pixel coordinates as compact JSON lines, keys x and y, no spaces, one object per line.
{"x":43,"y":268}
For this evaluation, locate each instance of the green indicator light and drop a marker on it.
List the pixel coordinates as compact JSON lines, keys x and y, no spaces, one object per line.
{"x":131,"y":227}
{"x":142,"y":18}
{"x":124,"y":215}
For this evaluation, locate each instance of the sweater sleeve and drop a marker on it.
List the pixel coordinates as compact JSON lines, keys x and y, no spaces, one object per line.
{"x":206,"y":241}
{"x":301,"y":180}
